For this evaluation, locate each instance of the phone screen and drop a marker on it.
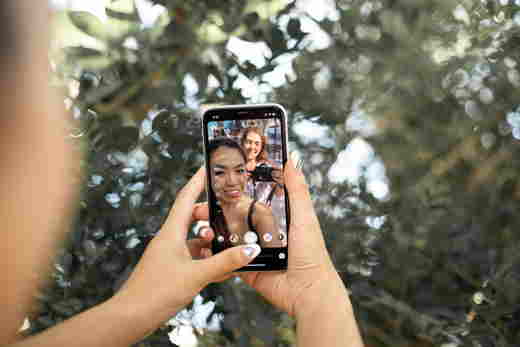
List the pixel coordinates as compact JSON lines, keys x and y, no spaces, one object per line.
{"x":245,"y":148}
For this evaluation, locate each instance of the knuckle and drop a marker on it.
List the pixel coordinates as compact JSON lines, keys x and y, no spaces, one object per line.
{"x":298,"y":181}
{"x":301,"y":189}
{"x":183,"y":191}
{"x":236,"y":258}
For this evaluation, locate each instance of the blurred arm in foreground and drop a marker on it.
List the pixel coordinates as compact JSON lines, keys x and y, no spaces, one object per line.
{"x":38,"y":191}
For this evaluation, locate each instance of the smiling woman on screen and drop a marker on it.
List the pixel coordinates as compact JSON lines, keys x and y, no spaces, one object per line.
{"x":240,"y":219}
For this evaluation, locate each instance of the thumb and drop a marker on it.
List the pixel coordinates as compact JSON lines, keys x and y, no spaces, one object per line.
{"x":227,"y":261}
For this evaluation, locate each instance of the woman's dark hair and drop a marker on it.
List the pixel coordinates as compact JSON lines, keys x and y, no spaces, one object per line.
{"x":263,"y":152}
{"x":224,"y":142}
{"x":219,"y":223}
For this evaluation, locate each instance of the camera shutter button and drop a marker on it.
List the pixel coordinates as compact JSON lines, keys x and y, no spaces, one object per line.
{"x":250,"y":237}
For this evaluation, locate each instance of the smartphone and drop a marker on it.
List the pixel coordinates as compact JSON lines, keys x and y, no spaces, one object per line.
{"x":245,"y":149}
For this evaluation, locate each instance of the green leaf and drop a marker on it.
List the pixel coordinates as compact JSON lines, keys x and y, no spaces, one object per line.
{"x":130,"y":17}
{"x":278,"y":44}
{"x":88,"y":23}
{"x":294,"y":29}
{"x":81,"y":52}
{"x":122,"y":6}
{"x":96,"y":63}
{"x":88,"y":58}
{"x":251,"y":19}
{"x":123,"y":138}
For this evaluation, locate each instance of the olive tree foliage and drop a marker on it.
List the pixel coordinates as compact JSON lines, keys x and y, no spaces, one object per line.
{"x":407,"y":115}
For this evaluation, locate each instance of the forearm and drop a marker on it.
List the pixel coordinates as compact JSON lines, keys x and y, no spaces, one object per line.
{"x":328,"y":319}
{"x":109,"y":324}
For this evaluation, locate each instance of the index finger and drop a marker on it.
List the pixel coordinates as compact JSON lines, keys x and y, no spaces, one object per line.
{"x":200,"y":212}
{"x":299,"y":197}
{"x":180,"y":217}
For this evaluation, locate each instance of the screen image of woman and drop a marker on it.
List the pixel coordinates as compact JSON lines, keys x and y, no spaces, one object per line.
{"x":239,"y":218}
{"x":265,"y":177}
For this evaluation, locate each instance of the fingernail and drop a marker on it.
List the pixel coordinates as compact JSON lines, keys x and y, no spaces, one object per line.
{"x":297,"y":160}
{"x":294,"y":155}
{"x":251,"y":251}
{"x":299,"y":164}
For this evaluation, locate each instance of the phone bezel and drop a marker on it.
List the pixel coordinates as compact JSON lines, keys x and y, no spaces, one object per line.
{"x":267,"y":260}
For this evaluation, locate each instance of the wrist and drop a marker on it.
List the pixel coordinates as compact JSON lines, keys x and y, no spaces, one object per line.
{"x":145,"y":315}
{"x":326,"y":294}
{"x":329,"y":320}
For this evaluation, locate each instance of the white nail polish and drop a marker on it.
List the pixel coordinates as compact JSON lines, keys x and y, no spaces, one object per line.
{"x":295,"y":156}
{"x":251,"y":250}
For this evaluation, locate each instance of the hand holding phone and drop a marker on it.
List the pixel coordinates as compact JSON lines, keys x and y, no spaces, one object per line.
{"x":245,"y":150}
{"x":311,"y":289}
{"x":310,"y":277}
{"x":173,"y":269}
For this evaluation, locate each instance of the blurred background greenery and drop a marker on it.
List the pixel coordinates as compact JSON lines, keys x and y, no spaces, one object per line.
{"x":407,"y":113}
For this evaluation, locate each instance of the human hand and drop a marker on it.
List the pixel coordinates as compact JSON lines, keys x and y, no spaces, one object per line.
{"x":310,"y":272}
{"x":278,"y":176}
{"x":168,"y":277}
{"x":310,"y":290}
